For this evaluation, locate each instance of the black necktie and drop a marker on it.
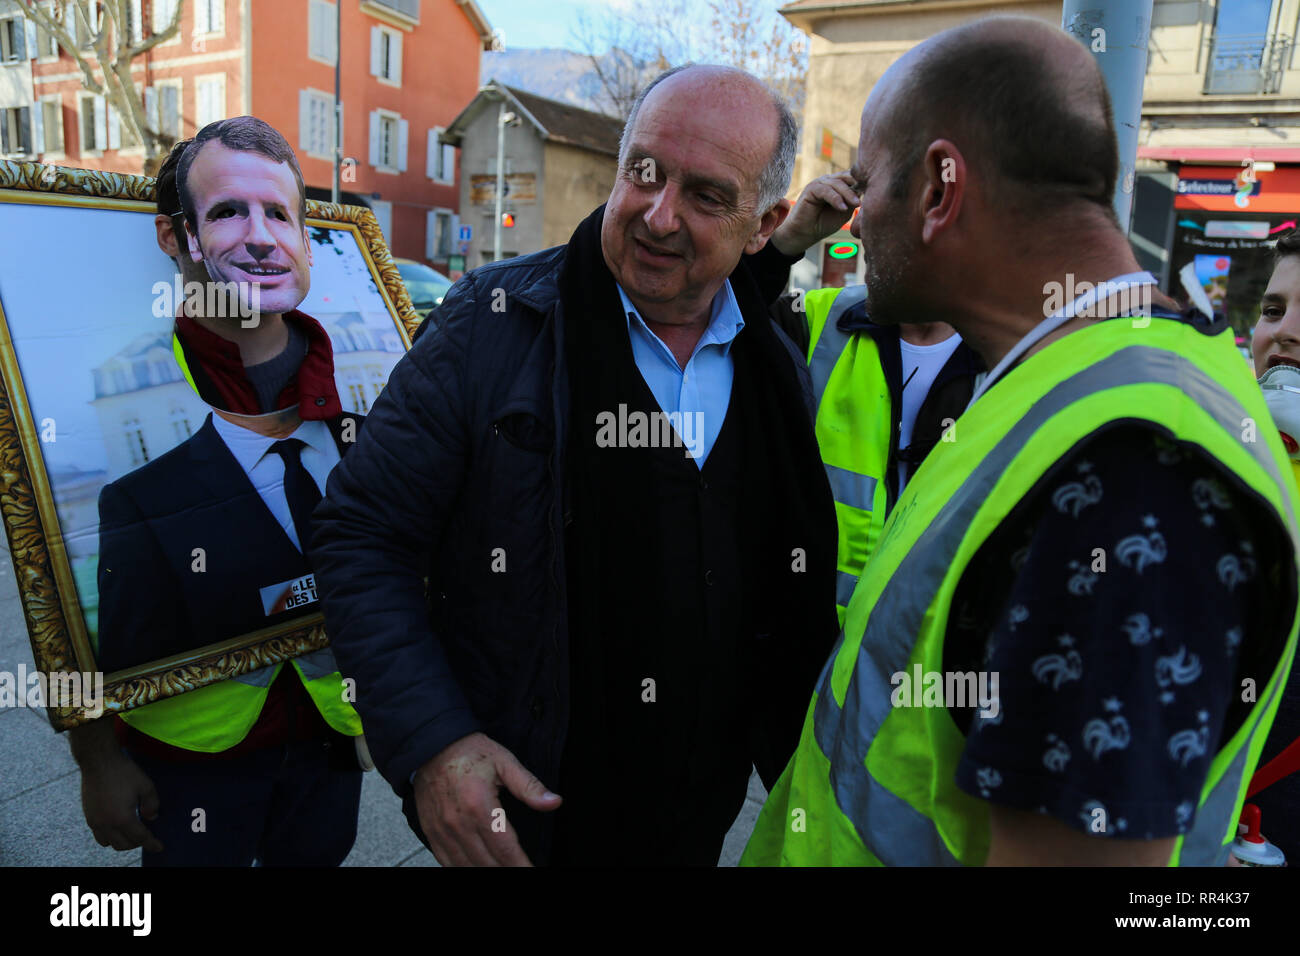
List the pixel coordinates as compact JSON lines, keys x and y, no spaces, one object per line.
{"x":299,"y":487}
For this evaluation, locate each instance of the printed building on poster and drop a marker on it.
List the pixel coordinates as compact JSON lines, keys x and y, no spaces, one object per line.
{"x":145,"y":406}
{"x":1221,"y":105}
{"x":408,"y":68}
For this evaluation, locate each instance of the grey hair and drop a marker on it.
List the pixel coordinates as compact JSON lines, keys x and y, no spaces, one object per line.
{"x":774,"y":181}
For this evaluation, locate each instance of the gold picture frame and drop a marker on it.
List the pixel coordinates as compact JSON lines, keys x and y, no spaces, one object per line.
{"x":41,"y":564}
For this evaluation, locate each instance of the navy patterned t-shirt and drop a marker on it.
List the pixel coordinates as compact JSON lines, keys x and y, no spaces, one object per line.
{"x":1129,"y":606}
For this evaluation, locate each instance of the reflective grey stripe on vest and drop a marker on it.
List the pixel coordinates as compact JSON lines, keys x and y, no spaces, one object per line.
{"x":891,"y":829}
{"x":830,"y":344}
{"x":852,"y":489}
{"x":1203,"y":845}
{"x":317,"y":664}
{"x":845,"y":584}
{"x":258,"y":678}
{"x":314,"y":666}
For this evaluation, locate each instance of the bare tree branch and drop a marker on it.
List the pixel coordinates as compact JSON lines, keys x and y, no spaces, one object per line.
{"x":108,"y":72}
{"x":628,"y":48}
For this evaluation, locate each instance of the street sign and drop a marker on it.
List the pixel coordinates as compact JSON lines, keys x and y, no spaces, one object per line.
{"x":465,"y":234}
{"x":464,"y":247}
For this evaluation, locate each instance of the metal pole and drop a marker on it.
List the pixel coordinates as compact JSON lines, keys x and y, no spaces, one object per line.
{"x":1117,"y":31}
{"x":338,"y":102}
{"x":501,"y":178}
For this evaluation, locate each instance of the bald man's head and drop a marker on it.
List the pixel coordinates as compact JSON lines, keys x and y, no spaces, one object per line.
{"x":1024,"y":102}
{"x":743,"y":89}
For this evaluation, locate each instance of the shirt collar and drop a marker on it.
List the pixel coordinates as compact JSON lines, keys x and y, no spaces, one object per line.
{"x":725,"y":319}
{"x":249,"y":448}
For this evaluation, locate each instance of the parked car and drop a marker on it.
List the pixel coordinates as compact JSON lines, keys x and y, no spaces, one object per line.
{"x":424,"y":285}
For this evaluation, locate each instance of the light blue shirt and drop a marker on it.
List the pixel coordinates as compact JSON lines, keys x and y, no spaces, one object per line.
{"x":699,"y":394}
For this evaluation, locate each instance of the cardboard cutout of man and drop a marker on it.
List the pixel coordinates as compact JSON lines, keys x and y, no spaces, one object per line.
{"x":207,"y":542}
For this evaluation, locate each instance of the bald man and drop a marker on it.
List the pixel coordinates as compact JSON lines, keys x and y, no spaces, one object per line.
{"x":1067,"y":645}
{"x":603,"y":459}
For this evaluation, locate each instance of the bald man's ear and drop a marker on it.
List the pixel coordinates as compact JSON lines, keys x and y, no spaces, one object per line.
{"x":767,"y":225}
{"x":945,"y":189}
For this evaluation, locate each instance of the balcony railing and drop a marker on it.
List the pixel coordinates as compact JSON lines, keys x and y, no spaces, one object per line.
{"x":1247,"y":64}
{"x":407,"y":8}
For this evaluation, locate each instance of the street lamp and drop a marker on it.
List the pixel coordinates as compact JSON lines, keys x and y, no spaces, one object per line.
{"x":504,"y":119}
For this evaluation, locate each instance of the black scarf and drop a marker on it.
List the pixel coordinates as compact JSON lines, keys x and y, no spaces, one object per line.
{"x":788,"y":530}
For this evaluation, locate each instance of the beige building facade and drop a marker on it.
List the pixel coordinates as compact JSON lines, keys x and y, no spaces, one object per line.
{"x":560,"y":163}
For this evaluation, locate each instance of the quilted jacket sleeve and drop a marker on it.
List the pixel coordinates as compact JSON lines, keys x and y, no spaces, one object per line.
{"x":386,"y":504}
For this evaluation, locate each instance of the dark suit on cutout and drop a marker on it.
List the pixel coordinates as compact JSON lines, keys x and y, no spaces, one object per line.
{"x":152,"y":601}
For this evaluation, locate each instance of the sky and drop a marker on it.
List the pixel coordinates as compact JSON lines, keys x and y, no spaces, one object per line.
{"x":550,"y":23}
{"x":527,"y":23}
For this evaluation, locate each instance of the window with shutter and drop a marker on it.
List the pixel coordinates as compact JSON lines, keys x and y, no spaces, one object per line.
{"x":25,"y":130}
{"x":128,"y":138}
{"x":169,"y":110}
{"x":386,"y":55}
{"x":209,"y":16}
{"x":11,"y":36}
{"x":88,"y":31}
{"x":9,"y":139}
{"x":86,"y":112}
{"x":134,"y":21}
{"x":322,"y":25}
{"x":47,"y":48}
{"x":99,"y":110}
{"x":163,"y":11}
{"x":52,"y":122}
{"x":442,"y":244}
{"x":387,"y":141}
{"x":210,"y":100}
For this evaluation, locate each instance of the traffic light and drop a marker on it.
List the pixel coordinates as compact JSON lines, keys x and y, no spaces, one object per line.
{"x":508,"y":220}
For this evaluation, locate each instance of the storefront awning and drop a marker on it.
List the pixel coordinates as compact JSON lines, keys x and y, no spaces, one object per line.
{"x":1220,"y":154}
{"x":1238,"y":189}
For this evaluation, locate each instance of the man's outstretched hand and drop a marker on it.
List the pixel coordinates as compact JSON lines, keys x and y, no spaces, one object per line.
{"x":825,"y":205}
{"x":456,"y":801}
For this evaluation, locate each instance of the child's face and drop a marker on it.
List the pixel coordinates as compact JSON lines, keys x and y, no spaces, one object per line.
{"x":1277,"y":333}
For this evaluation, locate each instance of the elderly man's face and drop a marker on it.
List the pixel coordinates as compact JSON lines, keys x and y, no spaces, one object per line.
{"x":246,"y":206}
{"x":685,"y":204}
